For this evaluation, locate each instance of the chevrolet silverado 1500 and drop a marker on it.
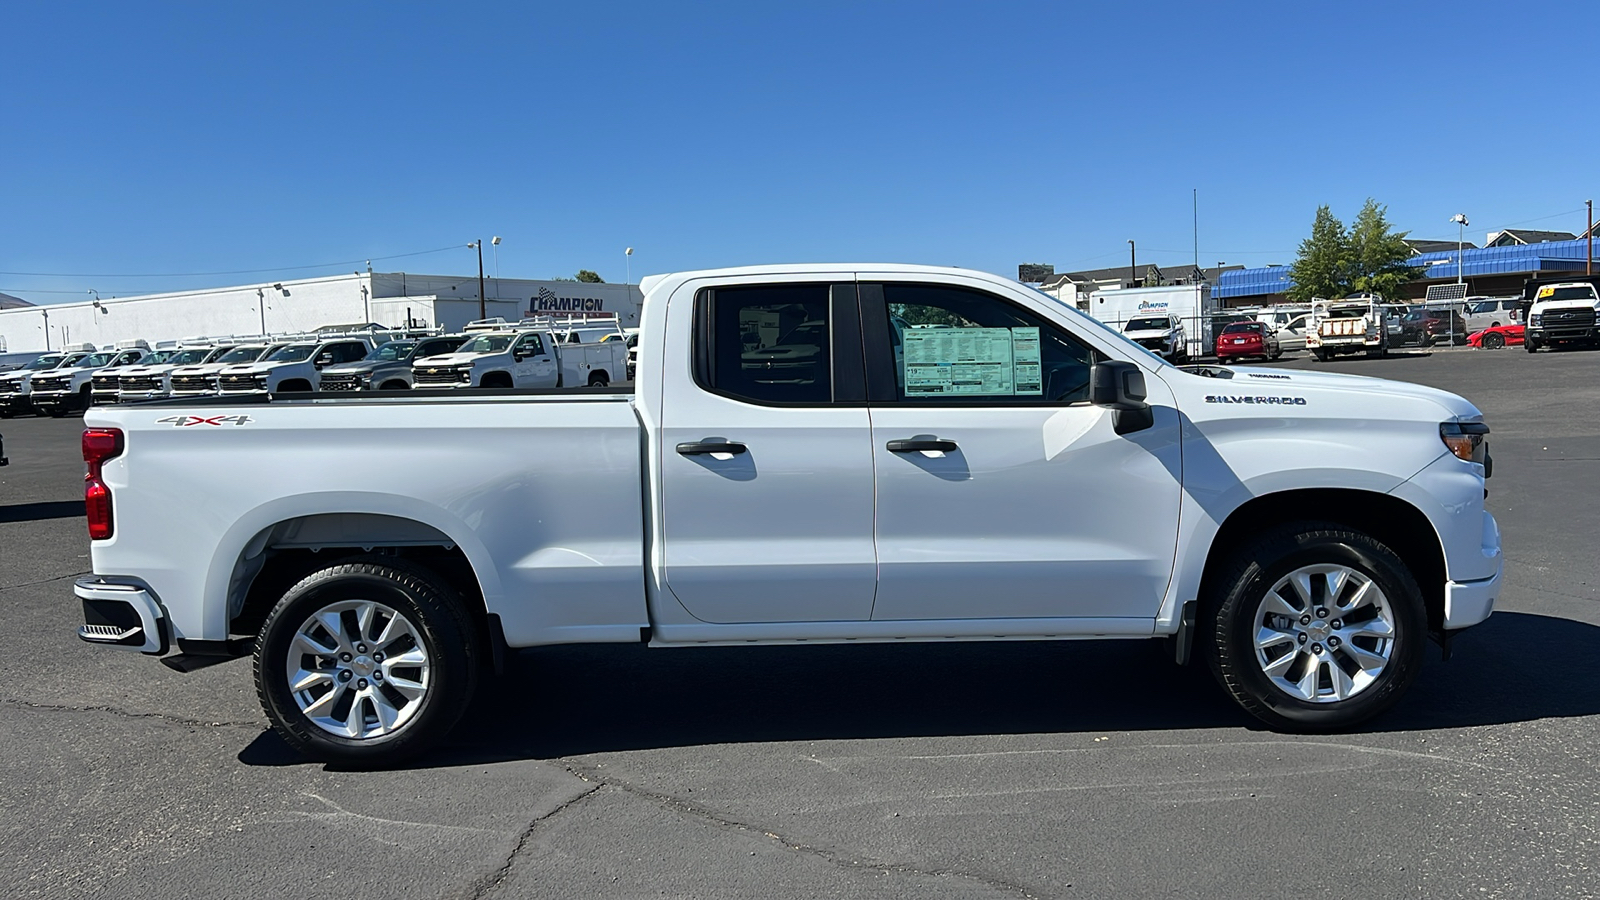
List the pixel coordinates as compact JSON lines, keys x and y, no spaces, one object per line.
{"x":811,"y":454}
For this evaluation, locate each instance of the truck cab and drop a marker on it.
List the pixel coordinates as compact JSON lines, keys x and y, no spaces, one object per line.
{"x":536,"y":353}
{"x":1563,"y":313}
{"x":67,"y":388}
{"x":388,"y":366}
{"x":293,"y":367}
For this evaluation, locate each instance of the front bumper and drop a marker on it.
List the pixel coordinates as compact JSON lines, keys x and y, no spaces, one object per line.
{"x":124,"y":616}
{"x":1470,"y":602}
{"x":53,"y":400}
{"x":1544,"y":335}
{"x":14,"y":403}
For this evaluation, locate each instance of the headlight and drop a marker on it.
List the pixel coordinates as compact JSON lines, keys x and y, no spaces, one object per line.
{"x":1465,"y":439}
{"x":1536,"y":318}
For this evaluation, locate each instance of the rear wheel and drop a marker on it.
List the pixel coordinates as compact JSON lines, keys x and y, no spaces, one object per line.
{"x":367,"y":661}
{"x":1315,"y":627}
{"x":1493,"y":341}
{"x":1320,"y":354}
{"x":598,"y":379}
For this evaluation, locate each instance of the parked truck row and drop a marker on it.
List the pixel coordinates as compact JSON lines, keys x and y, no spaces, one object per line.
{"x":545,"y":352}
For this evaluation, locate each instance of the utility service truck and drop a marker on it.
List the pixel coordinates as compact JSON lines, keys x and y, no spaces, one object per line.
{"x":1009,"y":470}
{"x":542,"y":352}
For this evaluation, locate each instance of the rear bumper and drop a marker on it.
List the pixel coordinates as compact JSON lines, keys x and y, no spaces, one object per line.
{"x":124,"y":616}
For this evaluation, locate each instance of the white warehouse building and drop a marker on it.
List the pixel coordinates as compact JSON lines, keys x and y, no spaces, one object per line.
{"x":280,"y":307}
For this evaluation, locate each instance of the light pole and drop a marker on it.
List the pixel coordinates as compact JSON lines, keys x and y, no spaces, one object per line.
{"x":261,"y":304}
{"x":1588,"y":257}
{"x":483,"y":306}
{"x":627,"y":266}
{"x":1461,"y":226}
{"x":495,"y":243}
{"x":1133,"y":266}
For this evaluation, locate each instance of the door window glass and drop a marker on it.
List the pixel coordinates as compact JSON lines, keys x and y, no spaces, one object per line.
{"x":969,"y":347}
{"x":766,"y":344}
{"x":530,"y":345}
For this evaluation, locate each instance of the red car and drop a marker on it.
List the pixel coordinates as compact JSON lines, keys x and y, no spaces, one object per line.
{"x":1496,"y":337}
{"x":1242,"y":339}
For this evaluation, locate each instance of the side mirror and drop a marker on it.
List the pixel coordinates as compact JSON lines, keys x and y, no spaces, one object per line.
{"x":1119,"y":386}
{"x":323,"y":360}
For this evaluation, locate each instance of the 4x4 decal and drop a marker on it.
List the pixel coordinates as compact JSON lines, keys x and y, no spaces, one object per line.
{"x":186,"y":421}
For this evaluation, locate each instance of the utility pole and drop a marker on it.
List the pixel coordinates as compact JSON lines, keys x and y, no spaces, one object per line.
{"x":1588,"y":258}
{"x":1133,"y":266}
{"x":1196,"y":229}
{"x":483,"y":305}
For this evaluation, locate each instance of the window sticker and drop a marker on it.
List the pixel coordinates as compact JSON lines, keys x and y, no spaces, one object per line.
{"x":972,"y":361}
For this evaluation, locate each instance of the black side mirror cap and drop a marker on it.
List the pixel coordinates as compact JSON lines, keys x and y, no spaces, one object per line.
{"x":1119,"y":386}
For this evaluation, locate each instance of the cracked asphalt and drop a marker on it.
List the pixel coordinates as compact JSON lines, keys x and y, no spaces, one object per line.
{"x":969,"y":770}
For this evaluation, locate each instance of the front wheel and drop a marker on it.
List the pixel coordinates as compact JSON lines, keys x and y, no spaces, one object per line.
{"x":1316,"y":627}
{"x":367,"y":661}
{"x":1531,"y":345}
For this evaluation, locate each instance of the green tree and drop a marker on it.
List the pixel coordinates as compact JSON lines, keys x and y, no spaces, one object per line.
{"x":588,"y":277}
{"x":1323,"y":267}
{"x":1379,"y":258}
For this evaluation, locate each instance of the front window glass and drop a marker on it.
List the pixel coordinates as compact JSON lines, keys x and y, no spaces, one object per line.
{"x":438,"y":347}
{"x":966,"y":346}
{"x":1147,"y":324}
{"x":185,"y":357}
{"x":241,"y":355}
{"x":292,"y":353}
{"x":488,"y":343}
{"x":99,"y":359}
{"x":45,"y":362}
{"x":72,"y":359}
{"x":1567,"y":293}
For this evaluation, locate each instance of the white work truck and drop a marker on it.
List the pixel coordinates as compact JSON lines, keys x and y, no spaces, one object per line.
{"x":536,"y":353}
{"x":1562,"y":313}
{"x":294,"y":367}
{"x":69,"y":388}
{"x":1347,"y":327}
{"x":1011,"y":470}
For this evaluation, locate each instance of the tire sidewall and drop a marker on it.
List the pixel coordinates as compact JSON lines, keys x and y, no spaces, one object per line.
{"x":450,"y":663}
{"x":1235,"y":629}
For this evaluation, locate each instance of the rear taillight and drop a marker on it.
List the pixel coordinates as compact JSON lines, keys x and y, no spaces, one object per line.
{"x":99,"y":445}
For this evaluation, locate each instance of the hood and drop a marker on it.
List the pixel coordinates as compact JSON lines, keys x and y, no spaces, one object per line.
{"x":202,"y":369}
{"x":1147,"y":333}
{"x":157,"y":369}
{"x":449,"y":359}
{"x":255,"y":368}
{"x":1262,"y":378}
{"x":1576,"y":303}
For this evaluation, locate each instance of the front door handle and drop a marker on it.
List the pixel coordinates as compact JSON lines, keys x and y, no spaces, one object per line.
{"x":692,"y":448}
{"x":911,"y":445}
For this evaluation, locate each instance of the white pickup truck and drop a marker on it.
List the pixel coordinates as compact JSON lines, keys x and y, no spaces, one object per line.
{"x":1020,"y":472}
{"x":533,"y":354}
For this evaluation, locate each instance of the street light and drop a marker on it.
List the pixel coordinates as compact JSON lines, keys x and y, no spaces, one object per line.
{"x":495,"y":243}
{"x":627,"y":266}
{"x":483,"y":306}
{"x":1461,"y":226}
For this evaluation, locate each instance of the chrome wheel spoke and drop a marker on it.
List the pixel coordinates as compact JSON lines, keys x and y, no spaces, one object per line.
{"x":1377,"y":628}
{"x":329,"y":620}
{"x":1307,"y":685}
{"x":307,"y":678}
{"x":1275,"y":604}
{"x":355,"y":721}
{"x":1282,"y":664}
{"x":1343,"y":687}
{"x":364,"y":616}
{"x":411,"y":689}
{"x":412,"y":657}
{"x":1369,"y":662}
{"x":323,"y":705}
{"x":1272,"y":637}
{"x":308,"y":644}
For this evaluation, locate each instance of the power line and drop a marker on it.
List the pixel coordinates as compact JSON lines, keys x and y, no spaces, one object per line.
{"x":348,"y":262}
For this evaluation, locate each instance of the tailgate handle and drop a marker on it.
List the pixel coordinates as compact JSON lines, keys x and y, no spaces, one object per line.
{"x":912,"y":445}
{"x":692,"y":448}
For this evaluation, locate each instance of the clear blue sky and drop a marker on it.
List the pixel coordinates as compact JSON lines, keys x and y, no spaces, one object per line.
{"x":210,"y":137}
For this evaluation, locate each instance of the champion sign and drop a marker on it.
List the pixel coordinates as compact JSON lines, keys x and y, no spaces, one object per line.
{"x":546,"y":301}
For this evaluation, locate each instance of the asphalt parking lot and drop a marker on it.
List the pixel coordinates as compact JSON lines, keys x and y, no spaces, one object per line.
{"x":972,"y":770}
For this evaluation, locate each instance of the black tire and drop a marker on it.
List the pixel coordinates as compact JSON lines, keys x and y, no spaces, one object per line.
{"x":1235,"y":597}
{"x":295,"y":386}
{"x":57,"y":412}
{"x":1530,"y":345}
{"x":495,"y":380}
{"x":1493,"y":341}
{"x":598,"y":379}
{"x":447,"y":636}
{"x":1320,"y":354}
{"x":395,"y":386}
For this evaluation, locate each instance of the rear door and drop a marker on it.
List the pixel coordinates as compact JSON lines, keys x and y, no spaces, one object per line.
{"x":766,"y":456}
{"x":1002,"y":493}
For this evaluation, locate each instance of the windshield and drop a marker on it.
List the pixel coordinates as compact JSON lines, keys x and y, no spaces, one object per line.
{"x":1566,"y":293}
{"x":1243,"y":327}
{"x":185,"y":357}
{"x":292,"y":353}
{"x":99,"y":359}
{"x":489,"y":343}
{"x":438,"y":346}
{"x":391,"y":352}
{"x":240,"y":355}
{"x":1147,"y":324}
{"x":160,"y":356}
{"x":45,"y":362}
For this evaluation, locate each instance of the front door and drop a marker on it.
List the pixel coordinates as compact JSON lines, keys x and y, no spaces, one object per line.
{"x":1002,"y":493}
{"x":766,"y":457}
{"x":532,"y":365}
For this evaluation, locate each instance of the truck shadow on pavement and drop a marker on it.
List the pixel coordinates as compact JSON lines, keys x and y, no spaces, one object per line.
{"x":34,"y":512}
{"x":568,"y":701}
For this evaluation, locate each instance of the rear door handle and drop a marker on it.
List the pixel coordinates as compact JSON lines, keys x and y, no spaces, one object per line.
{"x":692,"y":448}
{"x":911,"y":445}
